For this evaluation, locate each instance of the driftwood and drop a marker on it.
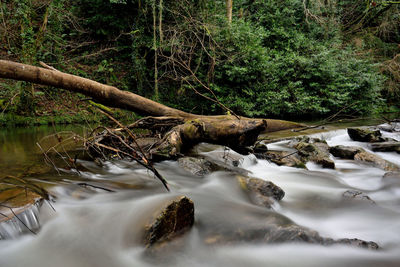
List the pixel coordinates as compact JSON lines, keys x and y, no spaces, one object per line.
{"x":180,"y":130}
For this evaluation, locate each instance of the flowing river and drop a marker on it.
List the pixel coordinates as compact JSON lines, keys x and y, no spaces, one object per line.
{"x":92,"y":227}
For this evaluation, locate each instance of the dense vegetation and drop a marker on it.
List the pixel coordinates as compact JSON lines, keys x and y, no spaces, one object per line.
{"x":285,"y":58}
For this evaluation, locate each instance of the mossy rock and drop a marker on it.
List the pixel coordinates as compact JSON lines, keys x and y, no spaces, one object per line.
{"x":365,"y":135}
{"x":283,"y":158}
{"x":317,"y":152}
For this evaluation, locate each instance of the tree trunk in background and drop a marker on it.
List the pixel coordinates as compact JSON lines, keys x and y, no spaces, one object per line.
{"x":156,"y":96}
{"x":229,"y":5}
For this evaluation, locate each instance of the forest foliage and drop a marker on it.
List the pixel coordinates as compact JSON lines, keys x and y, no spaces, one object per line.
{"x":283,"y":59}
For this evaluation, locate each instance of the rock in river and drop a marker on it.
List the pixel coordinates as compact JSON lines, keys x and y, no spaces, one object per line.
{"x":279,"y":229}
{"x":261,"y":192}
{"x":357,"y":195}
{"x":174,"y":219}
{"x":365,"y":135}
{"x":345,"y":152}
{"x":317,"y":151}
{"x":196,"y":166}
{"x":375,"y":161}
{"x":390,"y":146}
{"x":283,"y":158}
{"x":392,"y":175}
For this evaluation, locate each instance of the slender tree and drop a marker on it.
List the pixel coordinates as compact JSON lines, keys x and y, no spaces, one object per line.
{"x":229,"y":4}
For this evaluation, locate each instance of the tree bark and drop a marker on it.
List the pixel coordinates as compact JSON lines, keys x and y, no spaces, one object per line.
{"x":188,"y":129}
{"x":229,"y":5}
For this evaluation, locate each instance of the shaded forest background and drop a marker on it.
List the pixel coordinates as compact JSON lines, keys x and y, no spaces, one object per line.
{"x":292,"y":59}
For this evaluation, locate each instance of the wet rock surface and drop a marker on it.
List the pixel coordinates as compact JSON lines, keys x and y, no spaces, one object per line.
{"x":260,"y":148}
{"x":175,"y":219}
{"x":390,"y":127}
{"x":315,"y":150}
{"x":365,"y":135}
{"x":376,"y":161}
{"x":196,"y":166}
{"x":261,"y":192}
{"x":355,"y":242}
{"x":391,"y":146}
{"x":362,"y":156}
{"x":228,"y":162}
{"x":283,"y":158}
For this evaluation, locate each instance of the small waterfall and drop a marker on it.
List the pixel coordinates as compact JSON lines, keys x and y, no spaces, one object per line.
{"x":21,"y":223}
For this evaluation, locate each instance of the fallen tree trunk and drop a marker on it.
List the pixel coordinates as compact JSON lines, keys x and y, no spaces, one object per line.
{"x":186,"y":129}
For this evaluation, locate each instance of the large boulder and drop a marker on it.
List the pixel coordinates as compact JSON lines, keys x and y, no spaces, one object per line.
{"x":345,"y":152}
{"x":173,"y":220}
{"x":365,"y":135}
{"x":316,"y":151}
{"x":261,"y":192}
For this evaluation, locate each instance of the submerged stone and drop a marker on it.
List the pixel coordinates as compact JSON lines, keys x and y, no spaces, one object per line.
{"x":358,"y":243}
{"x":357,"y":195}
{"x":392,"y":175}
{"x":273,"y":233}
{"x":173,"y":220}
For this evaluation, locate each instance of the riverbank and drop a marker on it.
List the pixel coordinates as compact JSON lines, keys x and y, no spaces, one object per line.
{"x":83,"y":116}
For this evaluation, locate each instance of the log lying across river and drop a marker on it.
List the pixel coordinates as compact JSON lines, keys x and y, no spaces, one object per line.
{"x":190,"y":128}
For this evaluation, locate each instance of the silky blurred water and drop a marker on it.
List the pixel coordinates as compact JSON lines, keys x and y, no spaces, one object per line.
{"x":92,"y":227}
